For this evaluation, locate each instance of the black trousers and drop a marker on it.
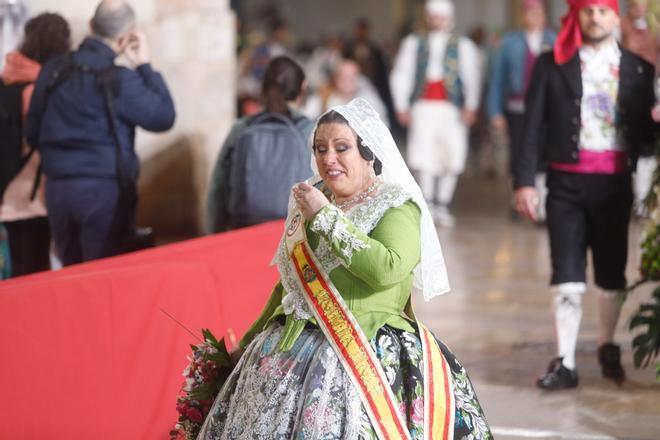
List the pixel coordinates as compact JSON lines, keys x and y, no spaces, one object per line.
{"x":88,"y":218}
{"x":29,"y":245}
{"x":589,"y":211}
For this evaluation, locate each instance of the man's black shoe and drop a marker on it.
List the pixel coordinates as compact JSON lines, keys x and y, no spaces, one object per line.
{"x":609,"y":358}
{"x":558,"y":377}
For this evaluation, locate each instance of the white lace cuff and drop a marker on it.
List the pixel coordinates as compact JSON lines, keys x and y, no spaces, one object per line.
{"x":331,"y":223}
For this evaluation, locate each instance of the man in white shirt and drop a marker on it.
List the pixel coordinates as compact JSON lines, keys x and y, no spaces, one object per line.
{"x":435,"y":86}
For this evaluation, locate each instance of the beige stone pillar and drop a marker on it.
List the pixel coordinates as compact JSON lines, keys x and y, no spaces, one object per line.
{"x":193,"y":45}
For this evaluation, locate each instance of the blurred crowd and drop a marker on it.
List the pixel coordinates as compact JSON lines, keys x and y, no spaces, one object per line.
{"x":495,"y":72}
{"x":474,"y":83}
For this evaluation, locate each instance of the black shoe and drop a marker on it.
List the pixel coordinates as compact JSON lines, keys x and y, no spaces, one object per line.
{"x":609,"y":358}
{"x":558,"y":377}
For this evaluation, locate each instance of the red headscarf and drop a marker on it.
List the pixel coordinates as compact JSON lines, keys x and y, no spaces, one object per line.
{"x":569,"y":39}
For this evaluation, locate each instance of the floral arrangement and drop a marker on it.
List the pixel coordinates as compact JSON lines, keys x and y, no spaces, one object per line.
{"x":209,"y":367}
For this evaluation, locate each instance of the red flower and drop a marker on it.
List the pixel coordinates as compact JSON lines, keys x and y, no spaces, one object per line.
{"x":182,"y":408}
{"x":194,"y":414}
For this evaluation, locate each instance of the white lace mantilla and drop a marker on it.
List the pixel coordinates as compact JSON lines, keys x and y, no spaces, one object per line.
{"x":364,"y":217}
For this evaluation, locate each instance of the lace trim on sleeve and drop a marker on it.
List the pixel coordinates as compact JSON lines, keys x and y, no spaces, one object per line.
{"x":333,"y":226}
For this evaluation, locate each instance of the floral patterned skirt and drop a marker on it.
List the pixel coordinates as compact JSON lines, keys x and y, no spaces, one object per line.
{"x":304,"y":393}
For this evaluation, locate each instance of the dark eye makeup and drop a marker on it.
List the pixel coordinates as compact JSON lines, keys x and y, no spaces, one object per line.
{"x":339,"y":148}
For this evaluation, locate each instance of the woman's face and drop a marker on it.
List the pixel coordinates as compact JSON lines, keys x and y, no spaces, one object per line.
{"x":338,"y":159}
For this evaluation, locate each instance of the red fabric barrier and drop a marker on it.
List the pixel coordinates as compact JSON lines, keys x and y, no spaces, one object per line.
{"x":88,"y":352}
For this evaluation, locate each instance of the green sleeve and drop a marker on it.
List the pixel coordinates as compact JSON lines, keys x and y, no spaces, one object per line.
{"x":381,"y":259}
{"x":258,"y":326}
{"x":218,"y":187}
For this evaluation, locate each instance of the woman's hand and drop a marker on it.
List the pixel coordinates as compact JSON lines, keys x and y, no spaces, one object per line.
{"x":309,"y":199}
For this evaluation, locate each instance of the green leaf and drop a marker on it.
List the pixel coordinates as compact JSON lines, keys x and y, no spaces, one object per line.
{"x":208,"y":336}
{"x":638,"y":357}
{"x":221,"y":359}
{"x":643,"y":308}
{"x":203,"y":392}
{"x":638,"y":320}
{"x":641,"y":340}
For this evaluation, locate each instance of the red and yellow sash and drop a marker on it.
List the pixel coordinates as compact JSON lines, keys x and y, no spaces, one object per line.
{"x":357,"y":357}
{"x":438,"y":393}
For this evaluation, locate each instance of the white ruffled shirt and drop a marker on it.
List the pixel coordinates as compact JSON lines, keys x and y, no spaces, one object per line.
{"x":600,"y":89}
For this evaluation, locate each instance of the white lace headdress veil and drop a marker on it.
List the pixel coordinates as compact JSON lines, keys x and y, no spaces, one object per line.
{"x":431,"y":274}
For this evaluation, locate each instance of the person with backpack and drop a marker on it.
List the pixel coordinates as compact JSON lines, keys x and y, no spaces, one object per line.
{"x":263,"y":155}
{"x":82,"y":118}
{"x":22,"y":207}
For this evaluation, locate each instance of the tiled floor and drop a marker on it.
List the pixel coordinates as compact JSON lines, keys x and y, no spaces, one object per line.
{"x":497,"y":320}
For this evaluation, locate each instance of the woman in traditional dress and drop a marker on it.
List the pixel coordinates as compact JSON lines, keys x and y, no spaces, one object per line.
{"x":337,"y":352}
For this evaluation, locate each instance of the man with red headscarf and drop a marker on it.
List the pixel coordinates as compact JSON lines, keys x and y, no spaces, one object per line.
{"x":589,"y":116}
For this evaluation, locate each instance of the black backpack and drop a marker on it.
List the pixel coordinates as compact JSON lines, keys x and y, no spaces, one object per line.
{"x":269,"y":157}
{"x":11,"y":134}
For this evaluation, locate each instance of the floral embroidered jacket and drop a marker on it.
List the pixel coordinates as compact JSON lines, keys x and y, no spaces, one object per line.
{"x":369,"y":253}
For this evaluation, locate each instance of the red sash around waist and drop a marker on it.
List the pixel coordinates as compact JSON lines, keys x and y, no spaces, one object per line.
{"x":435,"y":90}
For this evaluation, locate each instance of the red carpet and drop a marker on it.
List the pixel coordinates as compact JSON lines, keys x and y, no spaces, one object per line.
{"x":89,"y":352}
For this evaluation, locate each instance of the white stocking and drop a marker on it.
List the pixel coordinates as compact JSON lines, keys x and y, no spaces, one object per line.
{"x":446,"y":188}
{"x":609,"y":308}
{"x":427,"y":184}
{"x":567,"y":307}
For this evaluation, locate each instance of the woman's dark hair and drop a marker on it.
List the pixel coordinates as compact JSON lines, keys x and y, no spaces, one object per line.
{"x":333,"y":117}
{"x":46,"y":35}
{"x":282,"y":82}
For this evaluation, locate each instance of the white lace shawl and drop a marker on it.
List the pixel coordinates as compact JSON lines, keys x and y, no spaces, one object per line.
{"x":431,"y":274}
